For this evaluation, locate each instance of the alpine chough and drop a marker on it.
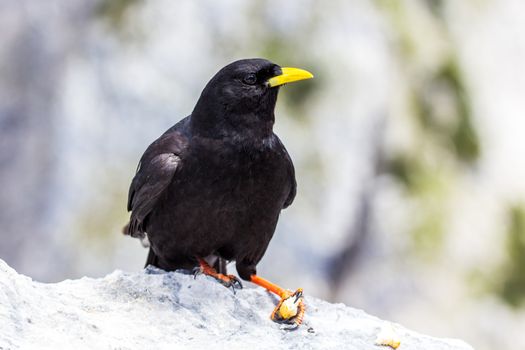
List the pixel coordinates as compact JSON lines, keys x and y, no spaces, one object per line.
{"x":211,"y":188}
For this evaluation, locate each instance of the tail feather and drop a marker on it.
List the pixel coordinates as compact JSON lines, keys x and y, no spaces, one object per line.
{"x":152,"y":259}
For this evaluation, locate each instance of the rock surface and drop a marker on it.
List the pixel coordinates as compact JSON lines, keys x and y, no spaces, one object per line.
{"x":158,"y":310}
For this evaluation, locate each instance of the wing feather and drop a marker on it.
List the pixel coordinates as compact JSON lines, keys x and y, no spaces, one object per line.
{"x":155,"y":172}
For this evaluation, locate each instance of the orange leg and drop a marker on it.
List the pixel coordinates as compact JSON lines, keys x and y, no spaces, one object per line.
{"x":290,"y":309}
{"x":226,"y":280}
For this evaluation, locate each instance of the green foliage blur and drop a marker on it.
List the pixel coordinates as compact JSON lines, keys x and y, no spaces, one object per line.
{"x":513,"y":272}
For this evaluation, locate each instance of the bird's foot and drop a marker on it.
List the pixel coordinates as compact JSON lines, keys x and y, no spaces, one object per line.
{"x":290,"y":310}
{"x":229,"y":281}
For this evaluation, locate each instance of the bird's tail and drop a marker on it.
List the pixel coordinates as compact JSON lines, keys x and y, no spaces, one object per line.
{"x":152,"y":259}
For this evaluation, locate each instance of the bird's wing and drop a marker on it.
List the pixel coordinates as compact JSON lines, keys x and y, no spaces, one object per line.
{"x":154,"y":173}
{"x":293,"y":188}
{"x":293,"y":182}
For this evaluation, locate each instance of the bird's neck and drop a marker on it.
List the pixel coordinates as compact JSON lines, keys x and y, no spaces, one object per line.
{"x":256,"y":125}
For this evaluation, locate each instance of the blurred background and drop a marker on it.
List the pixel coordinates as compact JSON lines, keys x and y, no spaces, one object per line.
{"x":408,"y":144}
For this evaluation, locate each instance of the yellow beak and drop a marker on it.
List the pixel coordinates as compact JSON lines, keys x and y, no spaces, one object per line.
{"x":289,"y":75}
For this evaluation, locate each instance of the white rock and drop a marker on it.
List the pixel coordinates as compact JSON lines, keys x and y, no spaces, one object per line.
{"x":157,"y":310}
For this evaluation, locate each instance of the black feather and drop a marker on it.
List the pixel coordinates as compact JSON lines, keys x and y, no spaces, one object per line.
{"x":216,"y":182}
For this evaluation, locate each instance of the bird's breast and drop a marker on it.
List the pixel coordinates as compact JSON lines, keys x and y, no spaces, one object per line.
{"x":222,"y":197}
{"x":236,"y":175}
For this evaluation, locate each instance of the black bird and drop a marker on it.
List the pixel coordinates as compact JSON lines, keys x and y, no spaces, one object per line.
{"x":211,"y":188}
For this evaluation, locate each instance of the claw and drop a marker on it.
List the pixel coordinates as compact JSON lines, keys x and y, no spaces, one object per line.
{"x":290,"y":310}
{"x":196,"y":271}
{"x":236,"y":283}
{"x":229,"y":281}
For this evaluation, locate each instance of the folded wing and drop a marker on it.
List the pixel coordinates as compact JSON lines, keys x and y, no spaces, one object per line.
{"x":155,"y":172}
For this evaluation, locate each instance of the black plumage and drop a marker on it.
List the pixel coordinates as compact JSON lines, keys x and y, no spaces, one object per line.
{"x":215,"y":183}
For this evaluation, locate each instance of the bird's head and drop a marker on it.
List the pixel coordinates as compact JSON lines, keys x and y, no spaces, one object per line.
{"x":241,"y":97}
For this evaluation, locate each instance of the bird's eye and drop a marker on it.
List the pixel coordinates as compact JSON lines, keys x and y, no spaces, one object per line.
{"x":250,"y":79}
